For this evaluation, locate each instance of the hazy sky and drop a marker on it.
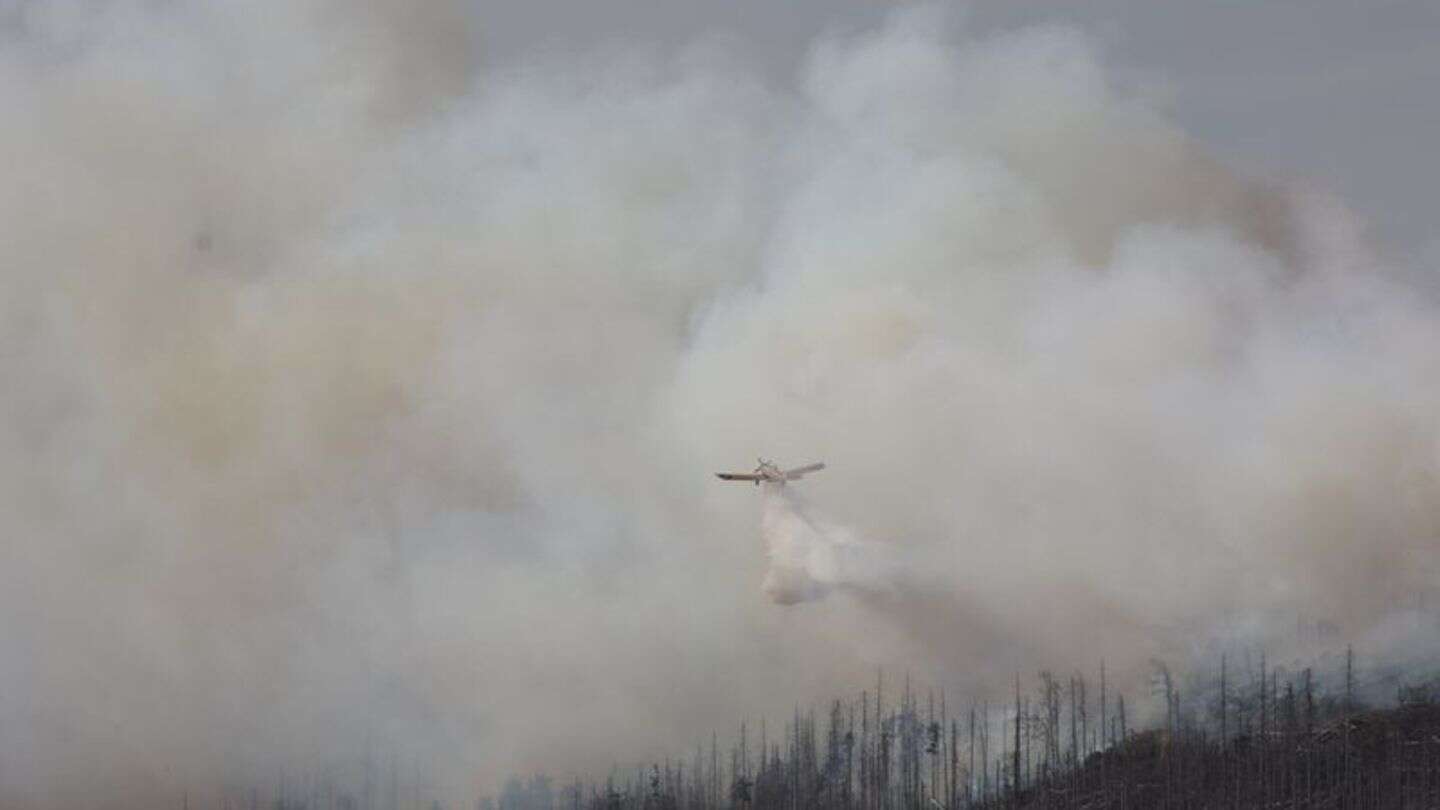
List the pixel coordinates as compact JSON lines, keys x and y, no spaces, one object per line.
{"x":1339,"y":92}
{"x":365,"y":375}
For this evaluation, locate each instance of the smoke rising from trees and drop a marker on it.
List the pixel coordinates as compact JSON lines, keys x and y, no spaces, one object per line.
{"x":362,"y":404}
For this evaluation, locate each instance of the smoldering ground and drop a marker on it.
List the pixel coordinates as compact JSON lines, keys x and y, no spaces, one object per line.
{"x":361,"y":405}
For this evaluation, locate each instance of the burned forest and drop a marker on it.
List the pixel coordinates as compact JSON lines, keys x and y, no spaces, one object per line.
{"x":1251,"y":739}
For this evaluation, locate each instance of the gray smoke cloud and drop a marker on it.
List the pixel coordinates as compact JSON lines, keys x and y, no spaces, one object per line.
{"x":360,"y":405}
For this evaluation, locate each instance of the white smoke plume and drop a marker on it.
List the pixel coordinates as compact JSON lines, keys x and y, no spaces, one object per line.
{"x":810,"y":556}
{"x":360,"y":405}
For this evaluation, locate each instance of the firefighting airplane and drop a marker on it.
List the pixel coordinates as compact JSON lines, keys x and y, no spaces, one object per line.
{"x":770,"y":471}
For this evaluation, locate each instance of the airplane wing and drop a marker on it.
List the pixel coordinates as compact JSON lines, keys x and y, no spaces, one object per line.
{"x":791,"y":475}
{"x":739,"y":476}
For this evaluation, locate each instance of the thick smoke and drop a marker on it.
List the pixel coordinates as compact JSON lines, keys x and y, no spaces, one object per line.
{"x":362,"y":406}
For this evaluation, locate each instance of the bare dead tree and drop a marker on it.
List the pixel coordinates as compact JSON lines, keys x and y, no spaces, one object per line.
{"x":1015,"y":768}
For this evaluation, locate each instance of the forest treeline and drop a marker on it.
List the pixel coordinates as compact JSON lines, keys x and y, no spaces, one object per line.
{"x":1255,"y":737}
